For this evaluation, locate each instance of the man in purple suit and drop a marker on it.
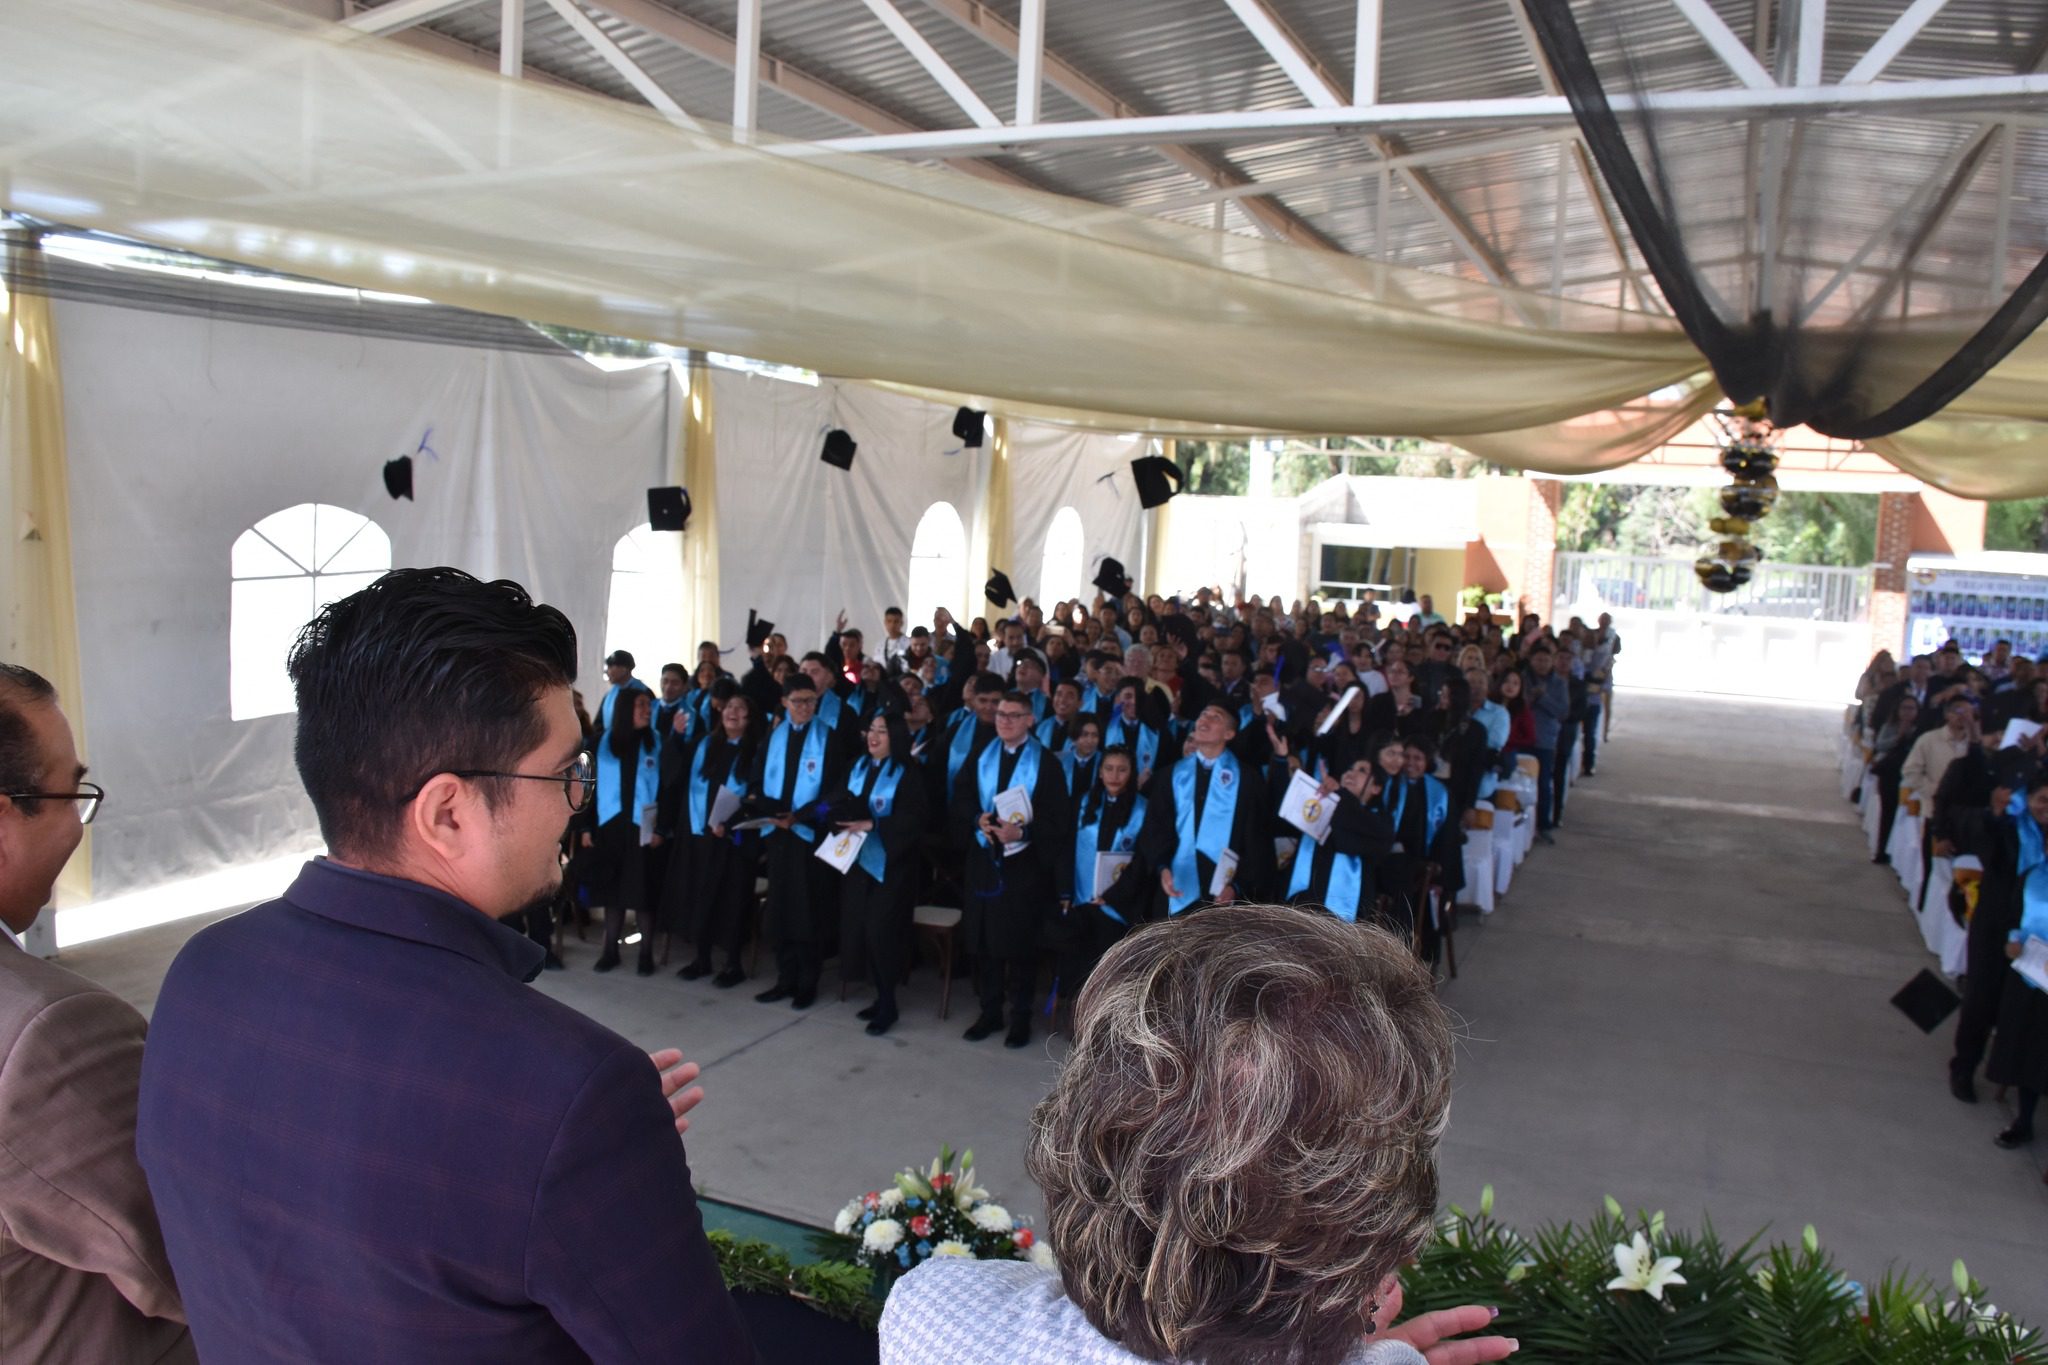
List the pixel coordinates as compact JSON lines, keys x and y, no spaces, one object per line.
{"x":367,"y":1137}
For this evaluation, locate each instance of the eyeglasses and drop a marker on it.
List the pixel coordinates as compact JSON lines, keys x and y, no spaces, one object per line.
{"x":579,"y":780}
{"x":86,"y":803}
{"x":1013,"y":715}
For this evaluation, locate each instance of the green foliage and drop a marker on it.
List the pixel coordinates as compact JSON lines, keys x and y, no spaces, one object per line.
{"x":837,"y":1289}
{"x":1222,"y":468}
{"x":1804,"y":527}
{"x":1778,"y":1306}
{"x":2017,"y":524}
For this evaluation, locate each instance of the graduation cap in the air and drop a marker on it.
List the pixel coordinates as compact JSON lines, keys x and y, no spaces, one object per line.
{"x":398,"y":477}
{"x":968,"y":426}
{"x":998,"y":590}
{"x":758,"y":630}
{"x":668,"y":509}
{"x":1927,"y":1000}
{"x":1157,"y":477}
{"x":839,"y":449}
{"x":1111,"y":579}
{"x":1183,"y":629}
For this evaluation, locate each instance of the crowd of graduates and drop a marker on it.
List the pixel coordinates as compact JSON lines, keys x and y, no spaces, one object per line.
{"x":1061,"y":777}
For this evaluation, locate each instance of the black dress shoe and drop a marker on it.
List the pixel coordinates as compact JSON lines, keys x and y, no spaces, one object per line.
{"x":982,"y":1028}
{"x":1019,"y":1035}
{"x":1882,"y":859}
{"x":1959,"y":1085}
{"x":727,"y":979}
{"x":644,"y":967}
{"x":2015,"y":1136}
{"x":867,"y":1013}
{"x":804,"y":999}
{"x":773,"y":994}
{"x":605,"y":963}
{"x":553,"y":963}
{"x":880,"y":1025}
{"x":694,"y":971}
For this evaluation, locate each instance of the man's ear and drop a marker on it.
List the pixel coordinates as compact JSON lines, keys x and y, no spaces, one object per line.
{"x":441,"y":815}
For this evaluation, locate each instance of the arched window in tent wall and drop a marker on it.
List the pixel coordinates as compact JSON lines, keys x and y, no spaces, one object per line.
{"x":938,"y":565}
{"x":284,"y":569}
{"x":1059,"y":575}
{"x":644,"y":615}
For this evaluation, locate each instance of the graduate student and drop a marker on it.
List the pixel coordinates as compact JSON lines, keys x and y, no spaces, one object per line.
{"x":1108,"y":819}
{"x":875,"y":893}
{"x":628,"y":782}
{"x":711,"y":871}
{"x":1204,"y":808}
{"x":1015,"y":873}
{"x":799,"y":764}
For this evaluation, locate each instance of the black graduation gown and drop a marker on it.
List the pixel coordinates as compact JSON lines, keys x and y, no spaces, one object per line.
{"x":874,"y":916}
{"x":1086,"y":931}
{"x":1008,"y":899}
{"x":800,"y":887}
{"x":710,"y":880}
{"x":1251,"y":830}
{"x":1356,"y":830}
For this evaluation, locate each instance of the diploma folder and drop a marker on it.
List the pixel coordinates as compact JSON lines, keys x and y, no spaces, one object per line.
{"x":723,"y":803}
{"x":1013,"y":807}
{"x":1305,"y":806}
{"x":838,"y":850}
{"x":1108,"y":867}
{"x":1226,"y":872}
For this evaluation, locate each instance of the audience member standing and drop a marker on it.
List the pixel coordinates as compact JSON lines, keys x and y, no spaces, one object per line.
{"x":368,"y":1139}
{"x":83,"y":1274}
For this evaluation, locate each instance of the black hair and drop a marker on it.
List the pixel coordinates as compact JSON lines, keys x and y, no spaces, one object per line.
{"x":1067,"y":682}
{"x":986,"y":681}
{"x":425,"y":671}
{"x":892,"y":611}
{"x":676,"y":669}
{"x":20,"y":763}
{"x":815,"y":657}
{"x":1422,"y":744}
{"x":724,"y":690}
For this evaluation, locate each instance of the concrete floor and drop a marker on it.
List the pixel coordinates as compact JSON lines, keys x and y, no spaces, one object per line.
{"x":1684,"y":1005}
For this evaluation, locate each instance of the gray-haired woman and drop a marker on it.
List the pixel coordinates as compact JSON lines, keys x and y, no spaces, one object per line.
{"x":1237,"y":1158}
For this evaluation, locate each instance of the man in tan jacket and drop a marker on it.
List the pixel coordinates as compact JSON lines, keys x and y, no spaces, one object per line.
{"x":83,"y":1276}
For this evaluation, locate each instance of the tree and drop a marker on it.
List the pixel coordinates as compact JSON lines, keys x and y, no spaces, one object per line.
{"x":2017,"y":524}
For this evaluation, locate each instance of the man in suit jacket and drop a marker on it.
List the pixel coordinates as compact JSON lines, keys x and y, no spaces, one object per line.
{"x":367,"y":1138}
{"x":83,"y":1276}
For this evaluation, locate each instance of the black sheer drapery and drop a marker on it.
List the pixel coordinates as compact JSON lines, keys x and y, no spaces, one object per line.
{"x":1852,"y":269}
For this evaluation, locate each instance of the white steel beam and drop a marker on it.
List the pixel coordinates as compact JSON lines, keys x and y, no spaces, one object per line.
{"x":746,"y":69}
{"x":1813,"y":27}
{"x":1365,"y":71}
{"x":1548,"y":111}
{"x":1030,"y":60}
{"x":1726,"y":45}
{"x":1282,"y":47}
{"x":616,"y":58}
{"x":937,"y":67}
{"x":401,"y":14}
{"x":512,"y":39}
{"x":1337,"y":175}
{"x":1893,"y":41}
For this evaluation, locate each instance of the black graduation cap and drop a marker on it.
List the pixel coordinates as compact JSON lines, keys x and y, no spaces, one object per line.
{"x":1183,"y":629}
{"x":398,"y":477}
{"x":839,"y":449}
{"x":1927,"y":1000}
{"x":998,"y":590}
{"x":1112,"y":579}
{"x":758,"y":630}
{"x":1157,"y":477}
{"x":967,"y":425}
{"x":668,"y":509}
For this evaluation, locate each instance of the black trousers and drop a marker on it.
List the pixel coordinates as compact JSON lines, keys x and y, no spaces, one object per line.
{"x":1887,"y":811}
{"x":1080,"y":938}
{"x":710,"y":891}
{"x":1561,"y":770}
{"x":1590,"y":736}
{"x":1983,"y":987}
{"x":1008,"y":901}
{"x":800,"y":904}
{"x":874,"y":926}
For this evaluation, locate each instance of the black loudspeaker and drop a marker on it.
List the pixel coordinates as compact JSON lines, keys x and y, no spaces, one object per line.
{"x":668,"y":509}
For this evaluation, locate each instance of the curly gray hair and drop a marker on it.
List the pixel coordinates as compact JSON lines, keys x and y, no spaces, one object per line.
{"x":1241,"y":1145}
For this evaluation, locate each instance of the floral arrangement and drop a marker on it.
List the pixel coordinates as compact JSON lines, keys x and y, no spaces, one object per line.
{"x":1622,"y":1289}
{"x":935,"y":1212}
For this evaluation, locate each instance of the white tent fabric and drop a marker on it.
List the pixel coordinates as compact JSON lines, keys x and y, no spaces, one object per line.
{"x":187,"y":431}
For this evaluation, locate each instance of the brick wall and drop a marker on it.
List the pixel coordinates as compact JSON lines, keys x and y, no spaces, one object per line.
{"x":1895,"y":522}
{"x":1537,"y":580}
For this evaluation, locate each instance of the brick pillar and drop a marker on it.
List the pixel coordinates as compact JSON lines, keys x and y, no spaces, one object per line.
{"x":1888,"y":584}
{"x":1539,"y":547}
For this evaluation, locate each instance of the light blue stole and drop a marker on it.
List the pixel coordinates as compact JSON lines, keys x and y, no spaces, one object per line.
{"x":1047,"y":731}
{"x":2033,"y":872}
{"x":1086,"y":841}
{"x":1493,"y":718}
{"x":700,"y":790}
{"x":646,"y":780}
{"x":1070,"y":765}
{"x":1145,"y":745}
{"x":986,"y":771}
{"x":831,"y":706}
{"x":959,"y":746}
{"x":873,"y":859}
{"x":809,"y":779}
{"x":1226,"y":779}
{"x":1347,"y":879}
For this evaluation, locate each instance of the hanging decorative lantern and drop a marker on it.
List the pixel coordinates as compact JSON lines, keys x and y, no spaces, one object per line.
{"x":1750,"y":455}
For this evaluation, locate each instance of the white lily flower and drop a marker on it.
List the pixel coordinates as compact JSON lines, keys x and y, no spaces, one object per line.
{"x":993,"y":1218}
{"x":1042,"y":1257}
{"x":882,"y":1235}
{"x":1643,"y":1270}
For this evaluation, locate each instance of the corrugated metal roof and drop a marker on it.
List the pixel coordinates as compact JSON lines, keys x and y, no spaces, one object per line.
{"x":1154,"y":57}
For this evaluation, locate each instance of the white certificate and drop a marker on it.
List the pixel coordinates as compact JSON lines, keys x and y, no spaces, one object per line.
{"x":1013,"y":807}
{"x":1336,"y":712}
{"x":838,"y":848}
{"x":1226,"y":872}
{"x":2032,"y":963}
{"x":2017,"y":730}
{"x":1108,"y":867}
{"x":1305,"y":806}
{"x":646,"y":825}
{"x":723,"y":803}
